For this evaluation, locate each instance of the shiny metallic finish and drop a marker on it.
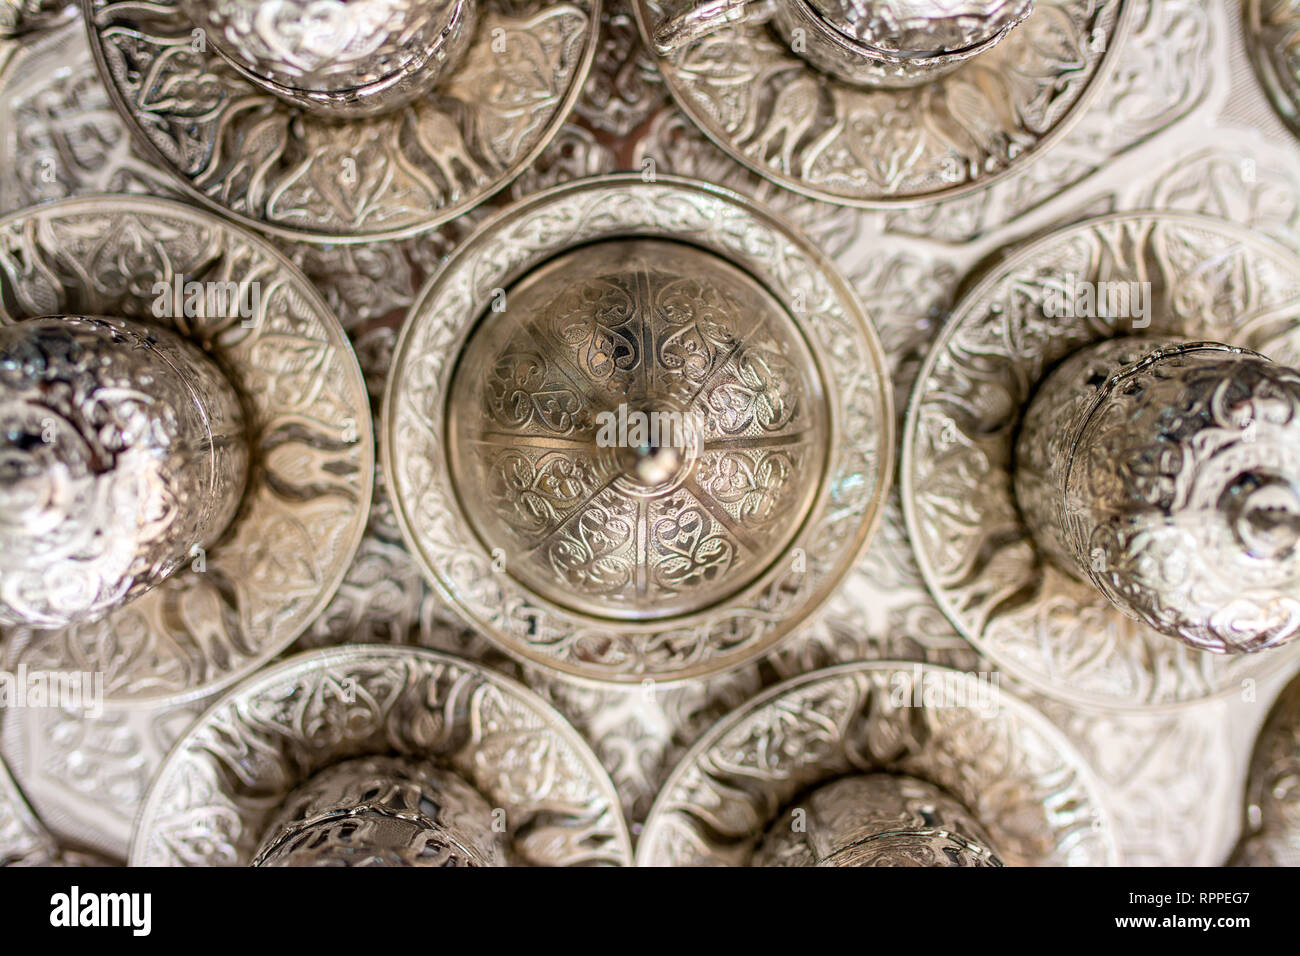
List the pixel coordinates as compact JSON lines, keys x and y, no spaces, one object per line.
{"x":875,"y":819}
{"x":247,"y":769}
{"x":1027,"y":794}
{"x":1167,"y":474}
{"x":340,"y":57}
{"x":641,"y":431}
{"x":808,"y":128}
{"x":1017,"y":321}
{"x":232,"y":607}
{"x":1271,"y":831}
{"x":1273,"y":38}
{"x":122,"y":455}
{"x":570,"y":559}
{"x":887,"y":43}
{"x":300,"y":175}
{"x":383,"y":811}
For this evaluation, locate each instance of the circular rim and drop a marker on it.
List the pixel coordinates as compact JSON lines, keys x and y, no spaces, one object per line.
{"x":279,"y":403}
{"x":562,"y":108}
{"x":791,"y":767}
{"x":772,"y":173}
{"x":1283,"y":91}
{"x":441,"y":687}
{"x":621,"y":206}
{"x":1156,"y":652}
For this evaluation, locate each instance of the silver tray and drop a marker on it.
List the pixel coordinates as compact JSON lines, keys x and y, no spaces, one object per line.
{"x":1180,"y":122}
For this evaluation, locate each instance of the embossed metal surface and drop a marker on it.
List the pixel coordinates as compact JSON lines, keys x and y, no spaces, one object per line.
{"x":875,"y":819}
{"x":641,"y":431}
{"x":1167,"y":474}
{"x":833,"y":141}
{"x":742,"y":384}
{"x":247,"y":153}
{"x":1273,"y":36}
{"x":995,"y":754}
{"x":1178,"y":125}
{"x":1041,"y":624}
{"x":1272,"y":825}
{"x":214,"y":795}
{"x":122,"y":449}
{"x":242,"y":602}
{"x":339,"y":58}
{"x":383,"y":811}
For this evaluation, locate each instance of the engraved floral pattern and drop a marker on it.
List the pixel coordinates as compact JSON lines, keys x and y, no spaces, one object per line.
{"x":306,"y":407}
{"x":303,"y":177}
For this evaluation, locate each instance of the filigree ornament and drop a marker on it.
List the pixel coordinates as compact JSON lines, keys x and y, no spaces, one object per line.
{"x":1209,"y":281}
{"x":218,"y":791}
{"x":239,"y":603}
{"x":1273,"y":39}
{"x":880,"y":148}
{"x":248,"y":153}
{"x":616,"y":563}
{"x":1031,"y":793}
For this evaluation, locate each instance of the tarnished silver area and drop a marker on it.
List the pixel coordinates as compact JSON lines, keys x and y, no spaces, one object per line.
{"x":572,"y":562}
{"x":840,"y":142}
{"x":1167,"y":474}
{"x":875,"y":819}
{"x":1273,"y":38}
{"x":122,"y":455}
{"x":1184,"y":276}
{"x":339,"y":57}
{"x":234,"y":606}
{"x":1271,"y":830}
{"x":218,"y":793}
{"x":298,"y":175}
{"x":1027,"y":793}
{"x":383,"y":811}
{"x":641,"y":431}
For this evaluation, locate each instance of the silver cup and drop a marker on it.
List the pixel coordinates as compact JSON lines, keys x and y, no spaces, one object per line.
{"x":876,"y":819}
{"x":341,"y":58}
{"x":887,"y":43}
{"x":122,"y":451}
{"x":384,"y":811}
{"x":1167,"y":473}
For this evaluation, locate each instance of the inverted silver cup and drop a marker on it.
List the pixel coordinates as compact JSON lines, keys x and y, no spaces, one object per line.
{"x":384,"y":811}
{"x":122,"y":452}
{"x":876,"y":819}
{"x":1167,"y":473}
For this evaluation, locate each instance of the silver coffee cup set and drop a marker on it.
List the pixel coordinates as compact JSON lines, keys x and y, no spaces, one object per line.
{"x":1166,"y":473}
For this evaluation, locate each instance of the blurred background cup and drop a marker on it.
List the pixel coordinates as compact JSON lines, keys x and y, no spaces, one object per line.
{"x":1167,"y":473}
{"x":384,"y":811}
{"x":341,"y":58}
{"x":123,"y":456}
{"x":887,"y":43}
{"x":876,"y":819}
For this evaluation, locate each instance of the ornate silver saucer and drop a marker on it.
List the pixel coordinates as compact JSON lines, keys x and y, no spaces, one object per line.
{"x":1022,"y":782}
{"x":245,"y":151}
{"x":1271,"y":829}
{"x":21,"y":17}
{"x":819,"y":135}
{"x":216,"y":795}
{"x":232,"y":607}
{"x":1273,"y":41}
{"x":1202,"y":279}
{"x":637,"y":430}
